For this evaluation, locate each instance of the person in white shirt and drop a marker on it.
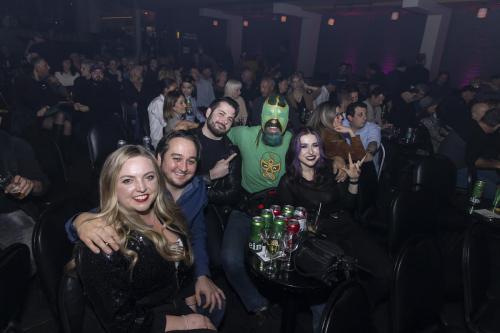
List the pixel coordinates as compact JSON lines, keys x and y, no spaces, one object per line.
{"x":155,"y":112}
{"x":67,"y":75}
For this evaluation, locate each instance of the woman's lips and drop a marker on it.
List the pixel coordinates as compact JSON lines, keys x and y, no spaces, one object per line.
{"x":141,"y":198}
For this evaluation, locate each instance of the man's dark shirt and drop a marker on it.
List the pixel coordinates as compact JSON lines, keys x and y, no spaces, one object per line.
{"x":453,"y":112}
{"x":402,"y":114}
{"x":17,"y":158}
{"x":481,"y":145}
{"x":418,"y":74}
{"x":249,"y":93}
{"x":104,"y":100}
{"x":226,"y":190}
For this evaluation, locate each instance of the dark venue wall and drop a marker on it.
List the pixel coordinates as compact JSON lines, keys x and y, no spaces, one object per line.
{"x":473,"y":46}
{"x":363,"y":37}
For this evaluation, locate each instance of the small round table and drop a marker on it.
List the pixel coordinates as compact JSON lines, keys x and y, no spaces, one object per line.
{"x":291,"y":284}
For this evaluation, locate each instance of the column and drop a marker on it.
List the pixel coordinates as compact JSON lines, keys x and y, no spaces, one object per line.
{"x":435,"y":31}
{"x":309,"y":36}
{"x":234,"y":31}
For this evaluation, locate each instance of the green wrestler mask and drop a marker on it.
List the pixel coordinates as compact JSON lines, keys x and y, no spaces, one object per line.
{"x":274,"y":119}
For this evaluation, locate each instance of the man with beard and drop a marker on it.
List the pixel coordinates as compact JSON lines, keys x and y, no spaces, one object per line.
{"x":221,"y":169}
{"x":263,"y":149}
{"x":104,"y":100}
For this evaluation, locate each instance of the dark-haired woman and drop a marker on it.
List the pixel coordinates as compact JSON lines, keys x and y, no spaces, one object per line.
{"x":309,"y":182}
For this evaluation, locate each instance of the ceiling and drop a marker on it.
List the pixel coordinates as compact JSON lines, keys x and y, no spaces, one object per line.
{"x":250,"y":8}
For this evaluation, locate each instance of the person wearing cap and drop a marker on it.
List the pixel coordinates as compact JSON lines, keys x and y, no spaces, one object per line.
{"x":437,"y":133}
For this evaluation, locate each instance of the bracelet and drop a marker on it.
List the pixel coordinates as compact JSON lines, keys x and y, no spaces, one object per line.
{"x":353,"y":182}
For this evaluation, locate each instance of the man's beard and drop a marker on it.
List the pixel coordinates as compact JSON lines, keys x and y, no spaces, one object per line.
{"x":272,"y":138}
{"x":213,"y":128}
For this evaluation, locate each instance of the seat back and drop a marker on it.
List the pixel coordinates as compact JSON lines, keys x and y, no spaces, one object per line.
{"x":52,"y":249}
{"x":14,"y":276}
{"x":437,"y":175}
{"x":381,"y":156}
{"x":416,"y":295}
{"x":481,"y":271}
{"x":102,"y":140}
{"x":411,"y":213}
{"x":347,"y":310}
{"x":75,"y":314}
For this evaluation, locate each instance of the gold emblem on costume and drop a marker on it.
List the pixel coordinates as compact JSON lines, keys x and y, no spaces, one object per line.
{"x":270,"y":164}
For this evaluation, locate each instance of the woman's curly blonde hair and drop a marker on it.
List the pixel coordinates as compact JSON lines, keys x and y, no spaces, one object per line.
{"x":125,"y":221}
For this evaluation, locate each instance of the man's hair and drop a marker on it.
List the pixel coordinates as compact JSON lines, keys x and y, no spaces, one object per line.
{"x":376,"y":91}
{"x":226,"y":99}
{"x":351,"y":108}
{"x":268,"y":79}
{"x":164,"y":143}
{"x":492,"y":117}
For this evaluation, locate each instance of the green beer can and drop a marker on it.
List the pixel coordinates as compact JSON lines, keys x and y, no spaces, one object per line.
{"x":477,"y":193}
{"x":268,"y":217}
{"x":496,"y":202}
{"x":255,"y":242}
{"x":279,"y":224}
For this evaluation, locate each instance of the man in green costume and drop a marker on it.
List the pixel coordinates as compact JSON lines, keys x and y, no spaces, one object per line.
{"x":263,"y":149}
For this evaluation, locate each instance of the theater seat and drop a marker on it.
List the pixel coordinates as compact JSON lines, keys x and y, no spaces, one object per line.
{"x":102,"y":140}
{"x":417,"y":293}
{"x":14,"y":276}
{"x":347,"y":310}
{"x":481,"y":274}
{"x":52,"y":249}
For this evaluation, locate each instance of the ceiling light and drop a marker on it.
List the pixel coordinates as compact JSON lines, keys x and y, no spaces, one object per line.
{"x":395,"y":16}
{"x":331,"y":21}
{"x":482,"y":13}
{"x":283,"y":18}
{"x":245,"y":23}
{"x":215,"y":23}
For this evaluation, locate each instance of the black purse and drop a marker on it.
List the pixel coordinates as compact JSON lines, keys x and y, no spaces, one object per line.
{"x":323,"y":260}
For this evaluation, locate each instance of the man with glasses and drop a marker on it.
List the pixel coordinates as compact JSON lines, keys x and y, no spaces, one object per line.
{"x":262,"y":149}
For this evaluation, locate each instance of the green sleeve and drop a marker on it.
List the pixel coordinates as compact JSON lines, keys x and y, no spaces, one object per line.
{"x":233,"y":134}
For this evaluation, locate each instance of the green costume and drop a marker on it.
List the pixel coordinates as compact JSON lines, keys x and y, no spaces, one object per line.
{"x":263,"y":164}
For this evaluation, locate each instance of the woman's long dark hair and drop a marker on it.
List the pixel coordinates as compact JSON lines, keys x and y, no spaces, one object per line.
{"x":293,"y":166}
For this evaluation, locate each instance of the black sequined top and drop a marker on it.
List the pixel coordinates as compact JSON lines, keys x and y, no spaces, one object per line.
{"x":136,"y":302}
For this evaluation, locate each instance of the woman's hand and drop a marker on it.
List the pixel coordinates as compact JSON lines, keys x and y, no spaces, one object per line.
{"x":338,"y":164}
{"x":353,"y":170}
{"x":188,"y":322}
{"x":344,"y":130}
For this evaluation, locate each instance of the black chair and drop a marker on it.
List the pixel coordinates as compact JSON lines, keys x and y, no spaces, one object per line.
{"x":416,"y":295}
{"x":52,"y":249}
{"x":347,"y":310}
{"x":75,"y":314}
{"x":481,"y":274}
{"x":14,"y":276}
{"x":102,"y":140}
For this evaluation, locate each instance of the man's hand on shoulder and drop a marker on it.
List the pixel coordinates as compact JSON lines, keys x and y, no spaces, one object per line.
{"x":96,"y":234}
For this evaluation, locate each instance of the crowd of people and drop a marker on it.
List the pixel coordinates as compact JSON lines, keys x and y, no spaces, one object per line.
{"x":223,"y":144}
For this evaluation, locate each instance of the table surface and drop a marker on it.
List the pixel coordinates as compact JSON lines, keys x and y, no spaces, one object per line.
{"x":288,"y":280}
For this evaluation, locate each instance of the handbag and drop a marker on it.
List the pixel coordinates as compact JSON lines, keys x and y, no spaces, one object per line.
{"x":323,"y":260}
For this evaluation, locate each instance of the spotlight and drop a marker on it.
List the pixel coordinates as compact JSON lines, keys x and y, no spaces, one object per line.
{"x":245,"y":23}
{"x":331,"y":21}
{"x":215,"y":23}
{"x":482,"y":13}
{"x":283,"y":18}
{"x":395,"y":16}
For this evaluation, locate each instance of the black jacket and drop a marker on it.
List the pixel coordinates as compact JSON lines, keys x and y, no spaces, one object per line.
{"x":225,"y":191}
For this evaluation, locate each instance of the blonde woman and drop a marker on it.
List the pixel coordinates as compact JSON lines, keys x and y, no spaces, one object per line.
{"x":143,"y":287}
{"x":233,"y":90}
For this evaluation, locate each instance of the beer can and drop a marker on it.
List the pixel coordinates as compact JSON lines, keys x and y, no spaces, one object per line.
{"x":496,"y":202}
{"x":276,"y":210}
{"x":268,"y":217}
{"x":477,"y":192}
{"x":279,"y":224}
{"x":255,"y":242}
{"x":293,"y":226}
{"x":287,"y":208}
